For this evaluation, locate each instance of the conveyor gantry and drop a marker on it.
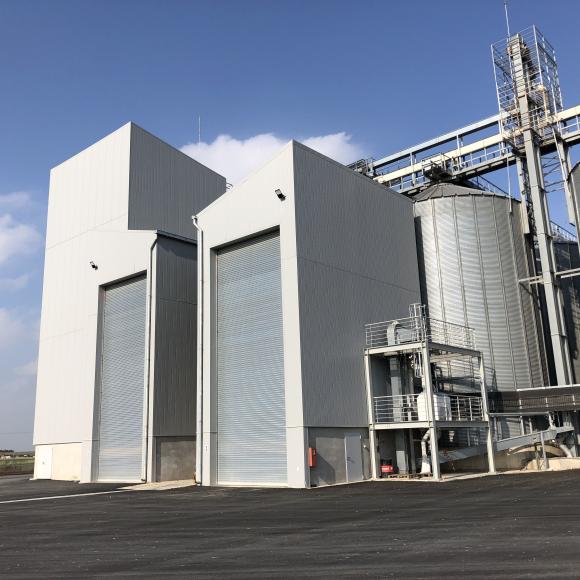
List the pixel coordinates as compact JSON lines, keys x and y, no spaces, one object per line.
{"x":405,"y":171}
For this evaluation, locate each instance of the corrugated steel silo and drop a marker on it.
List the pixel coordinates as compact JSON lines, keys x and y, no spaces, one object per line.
{"x":568,"y":258}
{"x":471,"y":257}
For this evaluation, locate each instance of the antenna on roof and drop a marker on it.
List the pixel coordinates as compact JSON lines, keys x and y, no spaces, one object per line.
{"x":507,"y":17}
{"x":198,"y":129}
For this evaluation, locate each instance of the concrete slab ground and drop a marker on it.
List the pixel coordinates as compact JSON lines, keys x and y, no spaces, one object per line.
{"x":509,"y":526}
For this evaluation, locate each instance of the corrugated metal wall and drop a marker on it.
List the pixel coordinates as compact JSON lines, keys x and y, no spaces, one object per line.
{"x":251,"y":447}
{"x":175,"y":346}
{"x":122,"y":389}
{"x":567,"y":257}
{"x":166,"y":186}
{"x":471,"y":257}
{"x":356,"y":264}
{"x":174,"y":398}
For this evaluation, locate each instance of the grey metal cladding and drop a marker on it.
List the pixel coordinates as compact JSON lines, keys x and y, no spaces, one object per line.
{"x":332,"y":305}
{"x":251,"y":409}
{"x":567,"y":258}
{"x":575,"y":179}
{"x":357,"y":264}
{"x":122,"y":387}
{"x":176,"y":270}
{"x":470,"y":275}
{"x":166,"y":187}
{"x":175,"y":338}
{"x":341,"y":216}
{"x":504,"y":215}
{"x":428,"y":260}
{"x":529,"y":300}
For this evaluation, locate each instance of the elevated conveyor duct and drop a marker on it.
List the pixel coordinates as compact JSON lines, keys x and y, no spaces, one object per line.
{"x":504,"y":444}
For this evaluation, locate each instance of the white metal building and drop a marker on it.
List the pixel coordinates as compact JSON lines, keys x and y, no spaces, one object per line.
{"x":296,"y":259}
{"x":261,"y":381}
{"x":116,"y":371}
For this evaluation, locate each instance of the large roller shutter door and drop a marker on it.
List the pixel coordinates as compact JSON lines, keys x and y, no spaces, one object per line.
{"x":250,"y":364}
{"x":122,"y":382}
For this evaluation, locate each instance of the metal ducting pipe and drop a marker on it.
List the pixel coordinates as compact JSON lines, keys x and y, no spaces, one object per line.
{"x":199,"y":393}
{"x":425,"y":460}
{"x":565,"y":449}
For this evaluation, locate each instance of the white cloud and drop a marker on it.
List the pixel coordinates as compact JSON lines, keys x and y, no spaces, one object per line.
{"x":235,"y":159}
{"x":20,"y":224}
{"x":13,"y":327}
{"x":18,"y":351}
{"x":15,"y":200}
{"x":27,"y":370}
{"x":16,"y":283}
{"x":16,"y":238}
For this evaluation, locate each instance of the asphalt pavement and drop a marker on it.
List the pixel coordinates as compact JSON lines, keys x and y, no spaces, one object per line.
{"x":509,"y":526}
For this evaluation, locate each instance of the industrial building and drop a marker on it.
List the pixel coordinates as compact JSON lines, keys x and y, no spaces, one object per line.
{"x":266,"y":341}
{"x":296,"y":259}
{"x":116,"y":371}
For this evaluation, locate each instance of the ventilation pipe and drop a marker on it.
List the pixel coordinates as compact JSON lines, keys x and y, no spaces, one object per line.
{"x":425,"y":460}
{"x":565,"y":449}
{"x":199,"y":394}
{"x":147,"y":468}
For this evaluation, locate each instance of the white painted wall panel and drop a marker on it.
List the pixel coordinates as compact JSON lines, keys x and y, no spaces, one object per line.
{"x":90,"y":190}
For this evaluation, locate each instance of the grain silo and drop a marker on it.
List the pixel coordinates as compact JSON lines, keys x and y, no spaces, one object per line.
{"x":471,"y":260}
{"x":568,"y":258}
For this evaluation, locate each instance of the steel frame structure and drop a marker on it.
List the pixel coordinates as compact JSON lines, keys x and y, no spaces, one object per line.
{"x":427,"y":347}
{"x":532,"y":131}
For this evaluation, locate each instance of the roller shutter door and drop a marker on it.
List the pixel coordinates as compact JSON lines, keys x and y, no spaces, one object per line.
{"x":250,"y":364}
{"x":120,"y":456}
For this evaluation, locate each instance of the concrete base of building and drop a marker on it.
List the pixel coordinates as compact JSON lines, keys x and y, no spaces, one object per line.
{"x":556,"y":464}
{"x":174,"y":458}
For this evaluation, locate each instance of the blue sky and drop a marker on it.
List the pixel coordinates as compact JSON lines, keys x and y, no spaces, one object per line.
{"x":358,"y":78}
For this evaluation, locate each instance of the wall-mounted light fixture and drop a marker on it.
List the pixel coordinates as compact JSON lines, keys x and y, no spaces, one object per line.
{"x":280,"y":195}
{"x":93,"y":265}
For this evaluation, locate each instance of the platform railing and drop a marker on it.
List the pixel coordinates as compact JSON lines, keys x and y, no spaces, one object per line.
{"x":413,"y":407}
{"x":395,"y":332}
{"x":450,"y":333}
{"x":418,"y":329}
{"x":466,"y":408}
{"x":399,"y":408}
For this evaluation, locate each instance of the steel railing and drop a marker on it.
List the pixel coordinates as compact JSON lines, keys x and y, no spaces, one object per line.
{"x":466,"y":408}
{"x":394,"y":332}
{"x":413,"y":407}
{"x":399,"y":408}
{"x":450,"y":333}
{"x":418,"y":329}
{"x":562,"y":233}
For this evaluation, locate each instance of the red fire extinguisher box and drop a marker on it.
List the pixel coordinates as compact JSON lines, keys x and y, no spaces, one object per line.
{"x":312,"y":457}
{"x":387,"y":468}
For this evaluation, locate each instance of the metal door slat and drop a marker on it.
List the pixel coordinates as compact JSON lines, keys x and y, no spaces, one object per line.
{"x":250,"y":364}
{"x":122,"y":389}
